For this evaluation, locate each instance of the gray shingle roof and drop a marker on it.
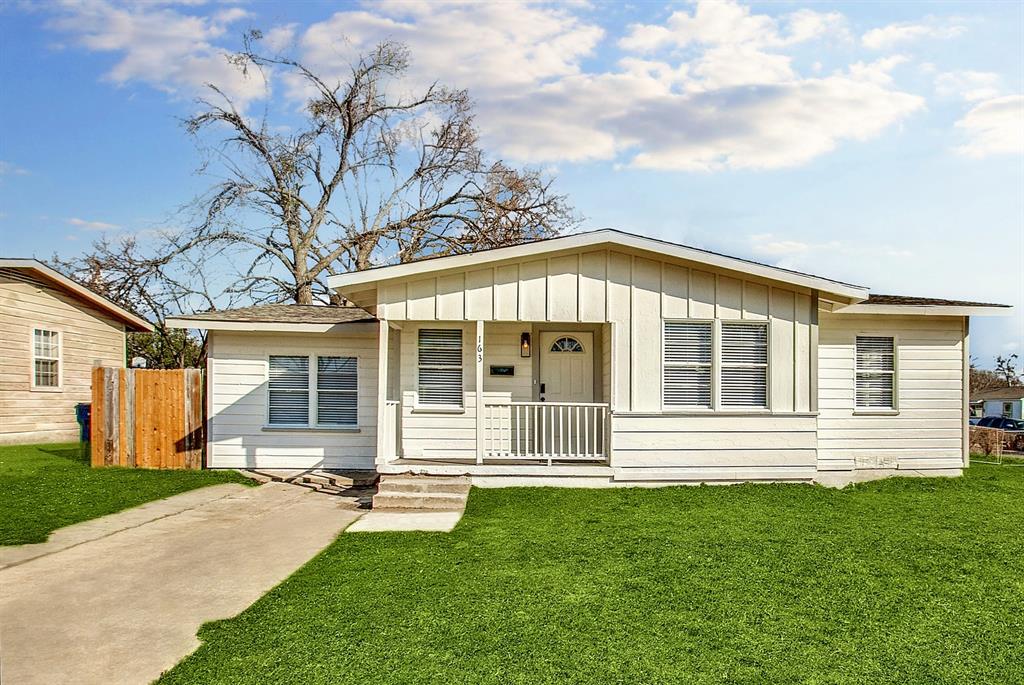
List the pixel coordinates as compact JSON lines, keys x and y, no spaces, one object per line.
{"x":902,"y":300}
{"x":287,"y":313}
{"x":1014,"y":393}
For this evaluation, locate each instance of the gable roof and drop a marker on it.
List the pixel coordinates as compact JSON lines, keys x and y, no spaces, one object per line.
{"x":606,"y":236}
{"x":1013,"y":393}
{"x":132,"y":322}
{"x":299,"y":318}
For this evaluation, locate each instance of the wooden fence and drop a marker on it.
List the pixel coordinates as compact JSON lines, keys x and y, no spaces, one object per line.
{"x":147,"y":418}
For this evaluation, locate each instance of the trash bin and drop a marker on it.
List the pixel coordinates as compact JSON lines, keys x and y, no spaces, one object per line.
{"x":83,"y":414}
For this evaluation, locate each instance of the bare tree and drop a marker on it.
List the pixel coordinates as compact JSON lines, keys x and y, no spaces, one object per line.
{"x":1006,"y":370}
{"x":369,"y":177}
{"x":154,"y":280}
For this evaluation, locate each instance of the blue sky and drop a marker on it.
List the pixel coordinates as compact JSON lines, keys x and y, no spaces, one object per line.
{"x":877,"y":143}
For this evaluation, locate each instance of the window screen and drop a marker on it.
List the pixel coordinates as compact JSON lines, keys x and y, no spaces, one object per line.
{"x":744,"y":364}
{"x":876,"y":370}
{"x":687,"y":371}
{"x":336,"y":391}
{"x":440,"y":367}
{"x":289,"y":390}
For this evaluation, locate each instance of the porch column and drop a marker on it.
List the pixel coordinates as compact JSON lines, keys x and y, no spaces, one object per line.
{"x":384,"y":437}
{"x":479,"y":357}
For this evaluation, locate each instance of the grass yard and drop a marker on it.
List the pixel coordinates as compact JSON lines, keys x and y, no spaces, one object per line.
{"x":45,"y":487}
{"x":900,"y":581}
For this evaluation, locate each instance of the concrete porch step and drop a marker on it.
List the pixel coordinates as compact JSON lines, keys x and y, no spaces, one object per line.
{"x":419,"y":484}
{"x":422,"y":500}
{"x":407,"y":492}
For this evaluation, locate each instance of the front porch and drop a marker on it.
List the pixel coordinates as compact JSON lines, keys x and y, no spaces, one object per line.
{"x":532,"y":401}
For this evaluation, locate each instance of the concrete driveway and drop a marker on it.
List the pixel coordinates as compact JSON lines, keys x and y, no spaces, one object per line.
{"x":119,"y":599}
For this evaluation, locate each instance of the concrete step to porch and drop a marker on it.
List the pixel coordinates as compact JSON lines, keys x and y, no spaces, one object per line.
{"x":391,"y":485}
{"x":416,"y":492}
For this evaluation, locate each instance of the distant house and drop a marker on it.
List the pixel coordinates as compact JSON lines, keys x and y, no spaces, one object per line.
{"x":1008,"y":402}
{"x":53,"y":331}
{"x":596,"y":359}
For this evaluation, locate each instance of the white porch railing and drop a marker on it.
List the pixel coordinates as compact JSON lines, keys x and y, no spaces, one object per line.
{"x":392,"y":410}
{"x":546,"y":431}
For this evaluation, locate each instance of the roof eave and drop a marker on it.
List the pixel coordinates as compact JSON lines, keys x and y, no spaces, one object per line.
{"x":133,"y":321}
{"x":847,"y":291}
{"x":925,"y":310}
{"x":271,"y":326}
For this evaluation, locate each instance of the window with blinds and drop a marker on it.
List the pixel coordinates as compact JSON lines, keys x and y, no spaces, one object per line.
{"x":337,"y":397}
{"x":876,"y":371}
{"x":744,"y":364}
{"x":288,"y":391}
{"x":45,"y":358}
{"x":687,"y":370}
{"x":440,"y":367}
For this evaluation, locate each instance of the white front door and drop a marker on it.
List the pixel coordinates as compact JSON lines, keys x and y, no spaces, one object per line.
{"x":566,"y":366}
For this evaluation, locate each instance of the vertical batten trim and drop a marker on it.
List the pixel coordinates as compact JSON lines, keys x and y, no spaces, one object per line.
{"x":813,"y":348}
{"x":965,"y":390}
{"x":382,"y":392}
{"x":478,"y":358}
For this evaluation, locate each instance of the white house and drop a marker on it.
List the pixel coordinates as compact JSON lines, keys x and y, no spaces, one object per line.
{"x":1008,"y":402}
{"x":601,"y":358}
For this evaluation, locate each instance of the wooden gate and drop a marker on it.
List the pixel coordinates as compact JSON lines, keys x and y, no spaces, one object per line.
{"x":147,"y":418}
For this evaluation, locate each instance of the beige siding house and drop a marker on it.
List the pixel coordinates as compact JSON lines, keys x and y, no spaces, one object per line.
{"x":597,"y":359}
{"x":52,"y":333}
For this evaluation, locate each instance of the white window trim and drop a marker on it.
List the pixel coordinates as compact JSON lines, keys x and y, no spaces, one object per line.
{"x":314,"y":363}
{"x":313,"y":424}
{"x":894,"y":410}
{"x":419,"y":408}
{"x":60,"y":359}
{"x":716,"y":373}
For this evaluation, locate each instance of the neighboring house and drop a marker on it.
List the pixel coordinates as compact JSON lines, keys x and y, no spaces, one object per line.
{"x":1008,"y":402}
{"x":53,"y":331}
{"x":602,"y":358}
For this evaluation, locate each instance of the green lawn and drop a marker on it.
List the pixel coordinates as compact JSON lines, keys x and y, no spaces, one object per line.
{"x":900,"y":581}
{"x":45,"y":487}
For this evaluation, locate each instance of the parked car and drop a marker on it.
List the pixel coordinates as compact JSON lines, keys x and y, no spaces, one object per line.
{"x":1002,"y":423}
{"x":974,"y":420}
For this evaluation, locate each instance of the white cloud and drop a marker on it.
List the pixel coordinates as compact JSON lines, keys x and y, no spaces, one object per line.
{"x":969,"y":85}
{"x":12,"y":169}
{"x":889,"y":36}
{"x":713,"y":87}
{"x":92,"y":225}
{"x":717,"y":22}
{"x":161,"y":46}
{"x":994,"y":127}
{"x":810,"y":256}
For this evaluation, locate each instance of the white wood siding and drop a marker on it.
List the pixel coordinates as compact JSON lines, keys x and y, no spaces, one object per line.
{"x":634,"y":291}
{"x":926,"y":429}
{"x":88,"y":338}
{"x":713,"y":447}
{"x":427,"y":432}
{"x":237,"y":403}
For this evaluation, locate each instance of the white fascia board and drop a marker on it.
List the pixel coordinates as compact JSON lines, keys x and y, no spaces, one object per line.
{"x":79,"y":290}
{"x":919,"y":310}
{"x":602,"y":237}
{"x":355,"y":327}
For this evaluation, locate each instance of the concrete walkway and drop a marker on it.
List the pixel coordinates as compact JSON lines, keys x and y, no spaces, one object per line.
{"x":119,"y":599}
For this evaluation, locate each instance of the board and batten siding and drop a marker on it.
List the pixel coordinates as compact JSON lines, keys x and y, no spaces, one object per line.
{"x":634,"y":292}
{"x":925,"y":431}
{"x":88,"y":338}
{"x":237,"y":403}
{"x":430,"y":433}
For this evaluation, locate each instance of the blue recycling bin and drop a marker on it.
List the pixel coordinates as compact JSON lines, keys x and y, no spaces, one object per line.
{"x":83,"y":414}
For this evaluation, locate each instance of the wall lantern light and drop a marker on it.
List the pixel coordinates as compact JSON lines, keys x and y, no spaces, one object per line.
{"x":524,"y":345}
